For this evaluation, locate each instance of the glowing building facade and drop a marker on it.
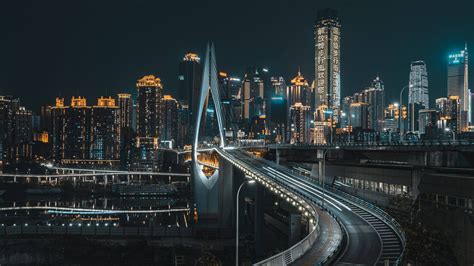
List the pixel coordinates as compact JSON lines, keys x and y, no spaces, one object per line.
{"x":327,"y":60}
{"x":458,"y":82}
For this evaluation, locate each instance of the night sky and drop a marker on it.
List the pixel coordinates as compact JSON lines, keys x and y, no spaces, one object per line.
{"x":93,"y":48}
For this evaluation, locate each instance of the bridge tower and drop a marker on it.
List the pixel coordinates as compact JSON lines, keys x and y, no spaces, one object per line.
{"x":209,"y":196}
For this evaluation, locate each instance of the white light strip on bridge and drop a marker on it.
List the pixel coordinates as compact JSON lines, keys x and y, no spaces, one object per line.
{"x":308,"y":187}
{"x":335,"y":206}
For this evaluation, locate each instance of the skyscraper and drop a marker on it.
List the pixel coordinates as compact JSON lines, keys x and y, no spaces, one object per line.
{"x":327,"y":60}
{"x":105,"y":129}
{"x":125,"y":105}
{"x":418,"y":97}
{"x":300,"y":117}
{"x":418,"y":84}
{"x":299,"y":91}
{"x":148,"y":123}
{"x":169,"y":121}
{"x":458,"y":83}
{"x":189,"y":77}
{"x":253,"y":88}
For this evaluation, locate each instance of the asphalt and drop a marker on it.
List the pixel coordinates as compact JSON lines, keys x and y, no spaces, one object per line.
{"x":364,"y":245}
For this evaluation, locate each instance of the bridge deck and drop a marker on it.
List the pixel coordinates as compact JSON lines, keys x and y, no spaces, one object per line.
{"x":330,"y":236}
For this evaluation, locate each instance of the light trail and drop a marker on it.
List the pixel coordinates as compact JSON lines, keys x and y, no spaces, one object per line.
{"x":67,"y":210}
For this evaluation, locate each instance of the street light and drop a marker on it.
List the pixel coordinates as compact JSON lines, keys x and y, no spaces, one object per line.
{"x":251,"y":181}
{"x":452,"y":133}
{"x":324,"y":173}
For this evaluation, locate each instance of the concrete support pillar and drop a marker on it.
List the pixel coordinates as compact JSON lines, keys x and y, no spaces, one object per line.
{"x":259,"y":220}
{"x":74,"y":181}
{"x":105,"y":181}
{"x":294,"y":228}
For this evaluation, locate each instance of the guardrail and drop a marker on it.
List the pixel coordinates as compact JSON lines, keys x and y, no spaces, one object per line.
{"x":367,"y":144}
{"x":381,"y":214}
{"x":288,"y":255}
{"x":378,"y":212}
{"x":299,"y":249}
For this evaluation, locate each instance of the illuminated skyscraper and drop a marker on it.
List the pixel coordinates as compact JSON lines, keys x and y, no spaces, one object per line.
{"x":105,"y":130}
{"x":76,"y":133}
{"x":125,"y":105}
{"x":418,"y":89}
{"x":189,"y":77}
{"x":300,"y":123}
{"x":418,"y":97}
{"x":458,"y":83}
{"x":253,"y":88}
{"x":169,"y":121}
{"x":148,"y":123}
{"x":327,"y":60}
{"x":299,"y":91}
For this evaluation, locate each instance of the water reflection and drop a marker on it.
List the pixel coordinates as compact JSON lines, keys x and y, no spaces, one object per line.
{"x":91,"y":210}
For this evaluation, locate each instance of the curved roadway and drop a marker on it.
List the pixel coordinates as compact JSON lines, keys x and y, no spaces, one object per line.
{"x":365,"y":232}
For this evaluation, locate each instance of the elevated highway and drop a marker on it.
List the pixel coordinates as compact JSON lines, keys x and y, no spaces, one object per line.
{"x":373,"y":237}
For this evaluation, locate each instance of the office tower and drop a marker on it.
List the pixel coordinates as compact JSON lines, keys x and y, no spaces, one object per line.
{"x":359,"y":115}
{"x":299,"y":91}
{"x":345,"y":111}
{"x":327,"y":60}
{"x":105,"y":131}
{"x":45,"y":118}
{"x":253,"y":88}
{"x":391,"y":116}
{"x":8,"y":107}
{"x":418,"y":97}
{"x":418,"y":84}
{"x":149,"y":90}
{"x":125,"y":105}
{"x":413,"y":116}
{"x":451,"y":121}
{"x":169,"y":121}
{"x":278,"y":118}
{"x":458,"y":83}
{"x":225,"y":94}
{"x":300,"y":123}
{"x":374,"y":97}
{"x":427,"y":120}
{"x":258,"y":127}
{"x":278,"y":86}
{"x":442,"y":105}
{"x":183,"y":131}
{"x":189,"y":77}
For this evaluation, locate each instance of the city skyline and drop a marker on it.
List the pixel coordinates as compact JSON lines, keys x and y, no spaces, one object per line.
{"x":101,"y":81}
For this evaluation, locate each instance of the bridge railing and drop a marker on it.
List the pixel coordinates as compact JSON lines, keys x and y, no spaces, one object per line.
{"x":381,"y":214}
{"x":422,"y":143}
{"x":299,"y":249}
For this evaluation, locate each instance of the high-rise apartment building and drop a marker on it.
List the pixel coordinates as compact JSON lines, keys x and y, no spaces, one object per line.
{"x":105,"y":130}
{"x":300,"y":123}
{"x":125,"y":105}
{"x":327,"y":60}
{"x":148,"y":123}
{"x":169,"y":121}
